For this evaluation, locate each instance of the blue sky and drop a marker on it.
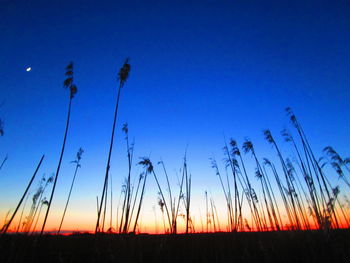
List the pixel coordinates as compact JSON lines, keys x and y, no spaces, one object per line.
{"x":200,"y":70}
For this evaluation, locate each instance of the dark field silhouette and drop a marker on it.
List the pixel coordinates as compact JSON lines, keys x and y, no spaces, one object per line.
{"x":281,"y":246}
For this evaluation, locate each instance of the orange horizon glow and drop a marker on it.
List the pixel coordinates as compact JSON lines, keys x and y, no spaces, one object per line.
{"x":153,"y":229}
{"x":72,"y":232}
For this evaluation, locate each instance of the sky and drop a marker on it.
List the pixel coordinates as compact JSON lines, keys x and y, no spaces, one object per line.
{"x":201,"y":71}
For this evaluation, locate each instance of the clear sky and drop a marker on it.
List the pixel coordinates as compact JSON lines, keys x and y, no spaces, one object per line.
{"x":200,"y":70}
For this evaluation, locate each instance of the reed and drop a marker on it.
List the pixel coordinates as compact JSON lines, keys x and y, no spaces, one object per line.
{"x":123,"y":75}
{"x":68,"y":84}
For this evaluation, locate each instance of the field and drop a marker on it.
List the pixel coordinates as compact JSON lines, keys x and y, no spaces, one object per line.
{"x":282,"y":246}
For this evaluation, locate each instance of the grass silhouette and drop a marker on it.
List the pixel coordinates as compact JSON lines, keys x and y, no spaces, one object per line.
{"x":68,"y":84}
{"x":122,"y":77}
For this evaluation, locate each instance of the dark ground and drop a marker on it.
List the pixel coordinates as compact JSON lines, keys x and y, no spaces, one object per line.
{"x":305,"y":246}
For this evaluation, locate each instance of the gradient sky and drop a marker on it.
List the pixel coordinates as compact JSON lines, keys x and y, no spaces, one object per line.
{"x":200,"y":70}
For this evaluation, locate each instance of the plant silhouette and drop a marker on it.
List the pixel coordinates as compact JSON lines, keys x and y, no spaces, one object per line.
{"x":122,"y":77}
{"x":77,"y":166}
{"x":68,"y":84}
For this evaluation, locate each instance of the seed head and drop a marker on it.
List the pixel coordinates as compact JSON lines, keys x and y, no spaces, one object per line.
{"x":68,"y":82}
{"x":268,"y":136}
{"x":124,"y":72}
{"x":247,"y":146}
{"x":146,"y":164}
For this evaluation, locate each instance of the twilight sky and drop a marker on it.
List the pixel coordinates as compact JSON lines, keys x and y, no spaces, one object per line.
{"x":200,"y":71}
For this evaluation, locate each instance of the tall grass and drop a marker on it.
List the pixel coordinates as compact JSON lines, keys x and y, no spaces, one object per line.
{"x":149,"y":168}
{"x":128,"y":191}
{"x":187,"y":197}
{"x":77,"y":166}
{"x":122,"y":77}
{"x":251,"y":195}
{"x":338,"y":163}
{"x":68,"y":84}
{"x":328,"y":216}
{"x":228,"y":199}
{"x":145,"y":162}
{"x":35,"y":202}
{"x":42,"y":200}
{"x":7,"y":225}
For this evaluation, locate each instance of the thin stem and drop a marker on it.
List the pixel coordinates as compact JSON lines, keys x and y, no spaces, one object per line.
{"x":6,"y":226}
